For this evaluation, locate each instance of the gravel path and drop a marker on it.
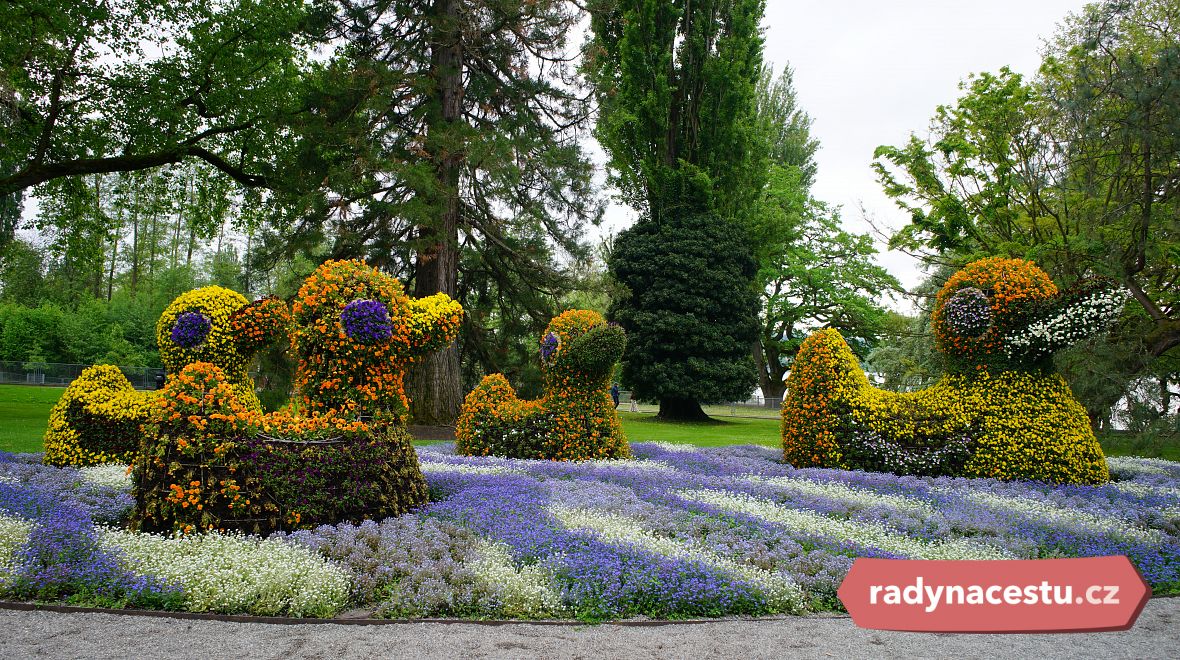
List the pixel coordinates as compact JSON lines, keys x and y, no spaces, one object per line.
{"x":96,"y":636}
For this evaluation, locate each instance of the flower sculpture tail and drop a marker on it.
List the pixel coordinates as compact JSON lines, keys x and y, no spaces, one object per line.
{"x":96,"y":420}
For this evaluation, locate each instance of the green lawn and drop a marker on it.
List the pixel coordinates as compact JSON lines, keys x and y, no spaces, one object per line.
{"x":643,"y":427}
{"x":24,"y":412}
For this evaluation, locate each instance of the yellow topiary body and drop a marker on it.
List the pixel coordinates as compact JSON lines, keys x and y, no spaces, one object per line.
{"x":997,"y":413}
{"x":574,"y":420}
{"x":97,"y":420}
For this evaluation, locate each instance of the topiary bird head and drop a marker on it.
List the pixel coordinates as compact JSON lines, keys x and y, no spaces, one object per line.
{"x":1008,"y":312}
{"x":579,"y":344}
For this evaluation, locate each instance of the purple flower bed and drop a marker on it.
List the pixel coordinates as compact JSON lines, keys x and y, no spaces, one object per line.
{"x":675,"y":533}
{"x":62,"y":557}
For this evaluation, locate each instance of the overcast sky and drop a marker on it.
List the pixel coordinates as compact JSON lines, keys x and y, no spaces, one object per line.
{"x":872,"y":72}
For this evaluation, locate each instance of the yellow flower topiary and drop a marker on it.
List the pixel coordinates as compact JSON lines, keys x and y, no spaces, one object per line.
{"x":997,"y":413}
{"x":217,"y":346}
{"x":97,"y":420}
{"x":574,"y":420}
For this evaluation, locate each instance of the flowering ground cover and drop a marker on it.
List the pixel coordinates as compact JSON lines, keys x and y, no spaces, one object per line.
{"x":677,"y":531}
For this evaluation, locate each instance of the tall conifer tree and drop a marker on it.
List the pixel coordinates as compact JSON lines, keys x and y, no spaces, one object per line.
{"x":676,"y":84}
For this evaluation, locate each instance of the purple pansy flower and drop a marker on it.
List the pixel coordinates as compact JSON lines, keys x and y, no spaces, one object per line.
{"x":366,"y":321}
{"x":191,"y":329}
{"x":968,"y":312}
{"x":549,"y":346}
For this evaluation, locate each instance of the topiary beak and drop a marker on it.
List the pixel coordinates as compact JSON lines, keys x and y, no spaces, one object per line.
{"x":1044,"y":327}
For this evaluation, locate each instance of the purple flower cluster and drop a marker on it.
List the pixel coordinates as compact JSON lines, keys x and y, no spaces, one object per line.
{"x":191,"y":329}
{"x":597,"y":579}
{"x":408,"y":566}
{"x":968,"y":311}
{"x":44,"y":484}
{"x":549,"y":346}
{"x":366,"y":321}
{"x":63,"y":558}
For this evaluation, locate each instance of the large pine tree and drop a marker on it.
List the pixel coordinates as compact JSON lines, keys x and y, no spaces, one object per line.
{"x":445,"y":133}
{"x":676,"y":87}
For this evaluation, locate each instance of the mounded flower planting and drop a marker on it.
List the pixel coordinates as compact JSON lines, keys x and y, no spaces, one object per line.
{"x":574,"y":420}
{"x":674,"y":532}
{"x":1000,"y":412}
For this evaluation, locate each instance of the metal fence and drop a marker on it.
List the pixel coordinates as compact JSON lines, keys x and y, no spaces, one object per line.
{"x":59,"y":375}
{"x":761,"y":407}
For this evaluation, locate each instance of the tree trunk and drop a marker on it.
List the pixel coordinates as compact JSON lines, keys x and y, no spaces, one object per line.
{"x":135,"y":242}
{"x":434,"y":384}
{"x":682,"y":410}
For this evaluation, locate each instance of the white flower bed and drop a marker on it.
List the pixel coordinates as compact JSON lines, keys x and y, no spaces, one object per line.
{"x":113,"y":475}
{"x":1131,"y":466}
{"x":230,"y":573}
{"x":674,"y":446}
{"x":526,"y":593}
{"x":13,"y":534}
{"x":866,"y":533}
{"x":457,"y":468}
{"x":859,"y":497}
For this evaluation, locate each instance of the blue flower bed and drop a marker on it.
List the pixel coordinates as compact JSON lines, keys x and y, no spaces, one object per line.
{"x":677,"y":532}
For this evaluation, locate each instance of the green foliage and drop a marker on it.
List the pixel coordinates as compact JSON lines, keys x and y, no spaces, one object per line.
{"x":675,"y":84}
{"x":90,"y":100}
{"x":811,"y":274}
{"x":676,"y":87}
{"x":690,"y":314}
{"x":786,"y":127}
{"x":1073,"y":168}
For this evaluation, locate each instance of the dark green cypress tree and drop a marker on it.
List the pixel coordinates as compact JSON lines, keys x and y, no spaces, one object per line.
{"x":691,"y":315}
{"x":675,"y":81}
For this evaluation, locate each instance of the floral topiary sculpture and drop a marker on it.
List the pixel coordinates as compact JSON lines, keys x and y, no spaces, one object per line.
{"x":574,"y":420}
{"x":219,"y":326}
{"x":1001,"y":410}
{"x":96,"y":420}
{"x":356,"y":331}
{"x":208,"y":461}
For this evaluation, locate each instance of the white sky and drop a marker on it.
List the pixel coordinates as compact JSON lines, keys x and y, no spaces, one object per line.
{"x":872,"y":72}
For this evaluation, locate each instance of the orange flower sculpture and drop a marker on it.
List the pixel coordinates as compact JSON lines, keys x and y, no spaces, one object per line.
{"x":1001,"y":410}
{"x":356,"y":331}
{"x":574,"y":420}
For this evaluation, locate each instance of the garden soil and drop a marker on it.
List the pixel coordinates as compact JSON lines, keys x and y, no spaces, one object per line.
{"x":96,"y":636}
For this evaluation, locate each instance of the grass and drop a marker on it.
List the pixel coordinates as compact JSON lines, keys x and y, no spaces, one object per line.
{"x":24,"y":413}
{"x":644,"y":427}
